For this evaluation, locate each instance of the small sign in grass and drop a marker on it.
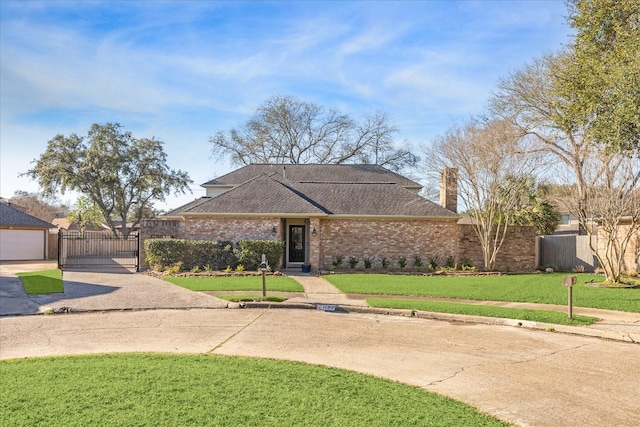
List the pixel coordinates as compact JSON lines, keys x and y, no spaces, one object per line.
{"x":542,"y":316}
{"x":42,"y":282}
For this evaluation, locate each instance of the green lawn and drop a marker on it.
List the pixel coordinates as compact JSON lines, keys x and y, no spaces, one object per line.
{"x":185,"y":390}
{"x":544,"y":316}
{"x":537,"y":288}
{"x":236,"y":283}
{"x":42,"y":282}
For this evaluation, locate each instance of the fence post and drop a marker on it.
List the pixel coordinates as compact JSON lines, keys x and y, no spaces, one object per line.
{"x":59,"y":249}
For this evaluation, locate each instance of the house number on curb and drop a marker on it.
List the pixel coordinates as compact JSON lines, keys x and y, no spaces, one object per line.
{"x":569,"y":281}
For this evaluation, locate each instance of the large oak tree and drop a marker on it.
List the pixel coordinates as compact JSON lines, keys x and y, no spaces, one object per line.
{"x":121,"y":174}
{"x":602,"y":77}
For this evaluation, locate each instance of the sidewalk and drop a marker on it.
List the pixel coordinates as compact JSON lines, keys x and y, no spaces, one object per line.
{"x":613,"y":325}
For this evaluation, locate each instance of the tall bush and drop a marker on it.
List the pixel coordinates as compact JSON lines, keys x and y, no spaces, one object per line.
{"x":164,"y":253}
{"x":250,"y":254}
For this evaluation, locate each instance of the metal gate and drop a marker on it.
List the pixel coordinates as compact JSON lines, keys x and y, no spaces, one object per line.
{"x":97,"y":250}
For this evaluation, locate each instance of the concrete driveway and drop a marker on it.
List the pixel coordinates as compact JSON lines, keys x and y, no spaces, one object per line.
{"x":90,"y":291}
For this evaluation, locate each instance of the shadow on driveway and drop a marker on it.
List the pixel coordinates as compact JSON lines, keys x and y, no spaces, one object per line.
{"x":117,"y":289}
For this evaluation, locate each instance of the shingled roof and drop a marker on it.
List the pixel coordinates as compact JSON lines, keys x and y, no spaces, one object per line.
{"x":10,"y":216}
{"x":351,"y":174}
{"x":274,"y":194}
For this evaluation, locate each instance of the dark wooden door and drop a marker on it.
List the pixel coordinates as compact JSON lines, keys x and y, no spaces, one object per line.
{"x":296,"y":243}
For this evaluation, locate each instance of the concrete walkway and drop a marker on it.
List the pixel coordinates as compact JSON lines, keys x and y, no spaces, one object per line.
{"x":319,"y":291}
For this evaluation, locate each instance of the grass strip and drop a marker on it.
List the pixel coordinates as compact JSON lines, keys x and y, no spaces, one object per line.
{"x":236,"y":283}
{"x":244,"y":298}
{"x":172,"y":390}
{"x":540,"y":288}
{"x":42,"y":282}
{"x":543,"y":316}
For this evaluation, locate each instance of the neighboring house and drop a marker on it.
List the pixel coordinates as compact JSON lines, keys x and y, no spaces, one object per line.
{"x":569,"y":246}
{"x":65,"y":224}
{"x":323,"y":212}
{"x":22,"y":236}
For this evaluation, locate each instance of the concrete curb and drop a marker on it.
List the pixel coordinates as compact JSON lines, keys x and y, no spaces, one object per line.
{"x":547,"y":327}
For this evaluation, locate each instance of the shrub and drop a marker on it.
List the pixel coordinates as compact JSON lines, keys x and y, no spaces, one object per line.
{"x":402,"y":261}
{"x":367,"y":262}
{"x":417,"y":261}
{"x":240,"y":268}
{"x":433,"y":263}
{"x":578,"y":269}
{"x":466,"y":264}
{"x":385,"y":262}
{"x":250,"y":254}
{"x":164,"y":253}
{"x":353,"y":261}
{"x":209,"y":255}
{"x":450,"y":263}
{"x":337,"y":261}
{"x":174,"y":269}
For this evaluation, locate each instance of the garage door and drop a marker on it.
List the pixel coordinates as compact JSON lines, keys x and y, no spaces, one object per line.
{"x":21,"y":245}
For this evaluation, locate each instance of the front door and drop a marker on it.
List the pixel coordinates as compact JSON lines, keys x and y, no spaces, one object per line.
{"x":296,"y":243}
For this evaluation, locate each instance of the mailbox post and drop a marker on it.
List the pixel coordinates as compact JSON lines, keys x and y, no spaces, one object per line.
{"x":569,"y":281}
{"x":263,"y":269}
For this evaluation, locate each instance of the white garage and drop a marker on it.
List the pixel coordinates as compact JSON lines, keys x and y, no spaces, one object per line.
{"x":22,"y":236}
{"x":22,"y":244}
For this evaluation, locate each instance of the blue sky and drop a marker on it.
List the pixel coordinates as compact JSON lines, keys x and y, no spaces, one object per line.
{"x":180,"y":71}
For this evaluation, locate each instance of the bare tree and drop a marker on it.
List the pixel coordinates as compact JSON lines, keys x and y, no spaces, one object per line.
{"x":535,"y":100}
{"x":612,"y":213}
{"x":39,"y":205}
{"x":487,"y":155}
{"x":285,"y":129}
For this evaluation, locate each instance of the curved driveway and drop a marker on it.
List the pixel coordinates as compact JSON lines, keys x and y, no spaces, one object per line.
{"x":526,"y":377}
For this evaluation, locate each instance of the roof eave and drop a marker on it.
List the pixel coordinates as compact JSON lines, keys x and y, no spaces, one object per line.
{"x":251,"y":215}
{"x":398,"y":217}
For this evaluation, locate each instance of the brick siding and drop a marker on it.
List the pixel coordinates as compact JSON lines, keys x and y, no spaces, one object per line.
{"x":378,"y":239}
{"x":359,"y":238}
{"x":518,"y":252}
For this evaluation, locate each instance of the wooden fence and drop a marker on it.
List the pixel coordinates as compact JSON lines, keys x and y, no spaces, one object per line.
{"x":566,"y":252}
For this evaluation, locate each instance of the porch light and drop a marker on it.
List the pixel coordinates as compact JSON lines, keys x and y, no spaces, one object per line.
{"x":314,"y":233}
{"x":273,"y":231}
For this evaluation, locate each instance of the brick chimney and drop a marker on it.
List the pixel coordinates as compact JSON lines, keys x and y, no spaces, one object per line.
{"x":449,"y":189}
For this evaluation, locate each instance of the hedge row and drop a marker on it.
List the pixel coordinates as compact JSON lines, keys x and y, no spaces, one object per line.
{"x":205,"y":254}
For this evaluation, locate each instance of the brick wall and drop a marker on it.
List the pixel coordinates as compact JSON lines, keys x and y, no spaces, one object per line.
{"x":518,"y":252}
{"x":385,"y":239}
{"x":212,"y":228}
